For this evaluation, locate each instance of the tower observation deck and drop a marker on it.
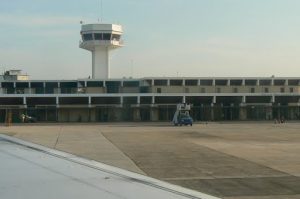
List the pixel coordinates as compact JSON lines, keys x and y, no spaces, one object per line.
{"x":100,"y":39}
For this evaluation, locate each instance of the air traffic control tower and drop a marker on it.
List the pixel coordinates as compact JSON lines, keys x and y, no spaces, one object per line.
{"x":100,"y":39}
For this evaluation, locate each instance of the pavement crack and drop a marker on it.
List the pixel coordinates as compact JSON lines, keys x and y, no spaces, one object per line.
{"x":58,"y":136}
{"x":141,"y":171}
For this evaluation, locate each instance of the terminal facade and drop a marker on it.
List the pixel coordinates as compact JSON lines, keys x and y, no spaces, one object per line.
{"x":150,"y":99}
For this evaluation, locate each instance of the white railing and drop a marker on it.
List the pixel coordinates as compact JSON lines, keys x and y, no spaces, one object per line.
{"x":102,"y":42}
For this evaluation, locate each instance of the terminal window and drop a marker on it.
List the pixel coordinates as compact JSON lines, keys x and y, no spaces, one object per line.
{"x":10,"y":90}
{"x":291,"y":90}
{"x":282,"y":90}
{"x":266,"y":90}
{"x":20,"y":91}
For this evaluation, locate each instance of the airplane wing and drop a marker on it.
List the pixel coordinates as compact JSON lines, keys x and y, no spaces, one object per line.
{"x":32,"y":171}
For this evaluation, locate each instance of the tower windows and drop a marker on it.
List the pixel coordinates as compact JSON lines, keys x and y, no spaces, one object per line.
{"x":98,"y":36}
{"x":106,"y":36}
{"x":87,"y":37}
{"x":102,"y":36}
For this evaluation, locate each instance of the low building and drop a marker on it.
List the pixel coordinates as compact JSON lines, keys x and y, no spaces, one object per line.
{"x":13,"y":75}
{"x":151,"y":99}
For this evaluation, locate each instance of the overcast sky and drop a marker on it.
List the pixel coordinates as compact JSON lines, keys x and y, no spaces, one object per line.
{"x":162,"y":37}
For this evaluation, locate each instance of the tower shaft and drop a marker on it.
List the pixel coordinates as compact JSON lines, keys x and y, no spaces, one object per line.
{"x":100,"y":63}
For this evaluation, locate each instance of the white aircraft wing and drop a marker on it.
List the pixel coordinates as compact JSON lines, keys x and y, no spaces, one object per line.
{"x":32,"y":171}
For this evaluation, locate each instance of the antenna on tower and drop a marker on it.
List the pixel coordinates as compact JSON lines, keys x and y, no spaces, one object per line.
{"x":101,"y":10}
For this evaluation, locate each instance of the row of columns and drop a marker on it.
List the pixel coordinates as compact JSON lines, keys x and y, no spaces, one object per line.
{"x":153,"y":113}
{"x":228,"y":83}
{"x":214,"y":100}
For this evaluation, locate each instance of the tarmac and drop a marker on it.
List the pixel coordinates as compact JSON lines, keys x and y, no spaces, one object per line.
{"x":230,"y":160}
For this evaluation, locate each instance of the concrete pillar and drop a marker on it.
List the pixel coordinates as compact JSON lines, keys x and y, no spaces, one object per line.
{"x":24,"y":102}
{"x":243,"y":113}
{"x":136,"y":115}
{"x":286,"y":82}
{"x":184,"y":99}
{"x":273,"y":99}
{"x":212,"y":114}
{"x":29,"y":88}
{"x":90,"y":101}
{"x":138,"y":100}
{"x":57,"y":101}
{"x":14,"y":87}
{"x":154,"y":114}
{"x":63,"y":115}
{"x":269,"y":113}
{"x":58,"y":88}
{"x":153,"y":100}
{"x":115,"y":114}
{"x":244,"y":99}
{"x":214,"y":100}
{"x":118,"y":114}
{"x":278,"y":111}
{"x":92,"y":115}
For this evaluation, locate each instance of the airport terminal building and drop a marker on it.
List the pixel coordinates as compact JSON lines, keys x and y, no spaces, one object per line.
{"x":151,"y":99}
{"x":102,"y":99}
